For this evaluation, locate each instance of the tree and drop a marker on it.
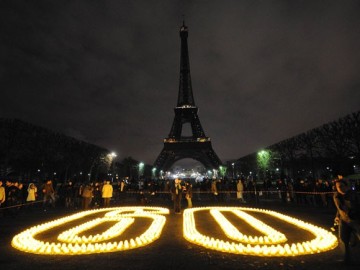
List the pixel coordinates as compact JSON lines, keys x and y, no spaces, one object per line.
{"x":336,"y":145}
{"x":263,"y":161}
{"x":222,"y":171}
{"x":130,"y":167}
{"x":309,"y":142}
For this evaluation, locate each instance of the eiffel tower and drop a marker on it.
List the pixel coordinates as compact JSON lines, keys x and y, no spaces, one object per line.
{"x":176,"y":146}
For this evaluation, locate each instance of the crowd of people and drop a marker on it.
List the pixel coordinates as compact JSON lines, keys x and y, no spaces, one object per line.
{"x":308,"y":192}
{"x":15,"y":196}
{"x":87,"y":195}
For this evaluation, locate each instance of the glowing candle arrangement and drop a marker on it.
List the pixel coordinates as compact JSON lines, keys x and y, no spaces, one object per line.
{"x":271,"y":235}
{"x":271,"y":244}
{"x":72,"y":244}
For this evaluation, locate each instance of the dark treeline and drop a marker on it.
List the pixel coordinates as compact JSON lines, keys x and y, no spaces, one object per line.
{"x":31,"y":152}
{"x":323,"y":152}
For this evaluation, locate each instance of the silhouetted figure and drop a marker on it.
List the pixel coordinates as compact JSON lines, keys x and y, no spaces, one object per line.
{"x":49,"y":194}
{"x":177,"y":195}
{"x":347,"y":215}
{"x":189,"y":194}
{"x":87,"y":195}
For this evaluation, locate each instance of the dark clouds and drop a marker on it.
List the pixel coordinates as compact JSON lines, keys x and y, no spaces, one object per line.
{"x":108,"y":71}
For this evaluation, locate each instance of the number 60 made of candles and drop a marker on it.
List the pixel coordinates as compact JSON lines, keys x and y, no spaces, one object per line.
{"x":77,"y":240}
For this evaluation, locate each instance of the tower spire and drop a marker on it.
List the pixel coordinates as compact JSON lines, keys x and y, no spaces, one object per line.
{"x":185,"y":96}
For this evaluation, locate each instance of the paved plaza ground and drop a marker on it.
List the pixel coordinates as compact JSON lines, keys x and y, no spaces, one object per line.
{"x":171,"y":250}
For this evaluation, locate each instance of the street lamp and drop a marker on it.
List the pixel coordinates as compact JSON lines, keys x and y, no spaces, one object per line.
{"x":141,"y":168}
{"x":233,"y":170}
{"x":111,"y":157}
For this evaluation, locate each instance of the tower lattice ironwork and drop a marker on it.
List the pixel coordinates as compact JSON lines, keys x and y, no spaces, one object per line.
{"x":177,"y":146}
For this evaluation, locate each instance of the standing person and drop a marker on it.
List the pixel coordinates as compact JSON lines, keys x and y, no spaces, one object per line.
{"x":12,"y":195}
{"x":240,"y":190}
{"x":106,"y":193}
{"x":87,"y":195}
{"x":121,"y":187}
{"x":32,"y":194}
{"x":347,"y":216}
{"x":281,"y":186}
{"x":69,"y":194}
{"x":22,"y":195}
{"x":2,"y":196}
{"x":189,"y":194}
{"x":97,"y":195}
{"x":290,"y":187}
{"x":167,"y":190}
{"x":226,"y":189}
{"x":78,"y":187}
{"x":2,"y":193}
{"x":176,"y":190}
{"x":214,"y":189}
{"x":49,"y":193}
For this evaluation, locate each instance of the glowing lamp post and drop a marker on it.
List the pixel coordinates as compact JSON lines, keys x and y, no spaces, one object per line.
{"x":233,"y":170}
{"x":111,"y":157}
{"x":141,"y":169}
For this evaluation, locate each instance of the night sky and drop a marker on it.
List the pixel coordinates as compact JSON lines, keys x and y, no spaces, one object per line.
{"x":107,"y":72}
